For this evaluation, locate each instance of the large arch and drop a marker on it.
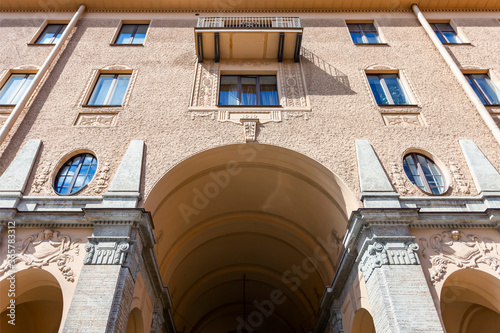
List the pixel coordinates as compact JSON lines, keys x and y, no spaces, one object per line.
{"x":252,"y":215}
{"x":38,"y":302}
{"x":470,"y":302}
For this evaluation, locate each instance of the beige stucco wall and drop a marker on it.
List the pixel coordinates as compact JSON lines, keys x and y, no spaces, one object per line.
{"x":341,"y":112}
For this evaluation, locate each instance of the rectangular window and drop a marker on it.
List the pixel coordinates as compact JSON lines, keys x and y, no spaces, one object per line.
{"x":388,"y":89}
{"x":248,"y":90}
{"x":363,"y":33}
{"x":110,"y":89}
{"x":487,"y":92}
{"x":14,"y":88}
{"x":445,"y":33}
{"x":132,"y":34}
{"x":51,"y":34}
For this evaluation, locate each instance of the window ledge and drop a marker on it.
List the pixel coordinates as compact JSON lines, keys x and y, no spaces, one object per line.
{"x":114,"y":44}
{"x":457,"y":44}
{"x":371,"y":44}
{"x":102,"y":106}
{"x":406,"y":106}
{"x":40,"y":44}
{"x":248,"y":108}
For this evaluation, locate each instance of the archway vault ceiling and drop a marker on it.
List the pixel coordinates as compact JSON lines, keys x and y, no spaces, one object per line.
{"x":274,"y":216}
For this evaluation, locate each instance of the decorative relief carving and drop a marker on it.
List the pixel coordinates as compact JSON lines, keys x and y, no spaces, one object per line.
{"x":45,"y":248}
{"x":41,"y":177}
{"x":456,"y":248}
{"x":459,"y":177}
{"x":291,"y":115}
{"x":402,"y":119}
{"x":250,"y":129}
{"x":336,"y":322}
{"x":210,"y":114}
{"x":206,"y":84}
{"x":157,"y":321}
{"x":96,"y":119}
{"x":292,"y":86}
{"x":400,"y":181}
{"x":102,"y":179}
{"x":106,"y":251}
{"x":381,"y":251}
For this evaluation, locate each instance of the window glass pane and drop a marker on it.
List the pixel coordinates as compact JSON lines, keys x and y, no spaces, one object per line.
{"x":101,"y":89}
{"x":428,"y":177}
{"x":487,"y":87}
{"x":51,"y":34}
{"x":11,"y":88}
{"x":367,"y":27}
{"x":357,"y":37}
{"x":451,"y":37}
{"x":248,"y":91}
{"x":372,"y":37}
{"x":377,"y":89}
{"x":25,"y":85}
{"x":476,"y":89}
{"x":395,"y":89}
{"x":75,"y":174}
{"x":228,"y":90}
{"x":125,"y":35}
{"x":140,"y":34}
{"x":120,"y":89}
{"x":444,"y":27}
{"x":441,"y":37}
{"x":353,"y":27}
{"x":268,"y":90}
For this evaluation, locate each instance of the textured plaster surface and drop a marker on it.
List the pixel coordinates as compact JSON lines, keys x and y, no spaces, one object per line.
{"x":343,"y":107}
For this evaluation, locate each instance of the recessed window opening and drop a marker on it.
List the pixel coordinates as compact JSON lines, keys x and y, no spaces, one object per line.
{"x":446,"y":33}
{"x":132,"y":34}
{"x":487,"y":92}
{"x":424,"y":173}
{"x":110,"y":89}
{"x":14,"y":88}
{"x":51,"y":34}
{"x":388,"y":89}
{"x":75,"y":174}
{"x":248,"y":90}
{"x":363,"y":33}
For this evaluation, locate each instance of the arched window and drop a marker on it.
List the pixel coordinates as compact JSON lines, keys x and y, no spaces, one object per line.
{"x":75,"y":173}
{"x":424,"y":173}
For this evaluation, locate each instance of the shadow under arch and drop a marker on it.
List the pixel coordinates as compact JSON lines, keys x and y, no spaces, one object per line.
{"x":38,"y":302}
{"x":470,"y":302}
{"x":269,"y":213}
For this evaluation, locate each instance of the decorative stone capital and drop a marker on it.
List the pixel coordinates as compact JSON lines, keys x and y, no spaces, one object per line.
{"x":157,"y":321}
{"x":336,"y":322}
{"x":378,"y":251}
{"x":106,"y":251}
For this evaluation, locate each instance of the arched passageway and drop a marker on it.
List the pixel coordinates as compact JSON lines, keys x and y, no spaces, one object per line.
{"x":135,"y":322}
{"x":38,"y":303}
{"x":363,"y":322}
{"x":470,"y":302}
{"x":248,"y":236}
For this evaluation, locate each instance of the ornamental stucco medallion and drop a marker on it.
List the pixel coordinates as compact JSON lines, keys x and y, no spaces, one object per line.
{"x":457,"y":248}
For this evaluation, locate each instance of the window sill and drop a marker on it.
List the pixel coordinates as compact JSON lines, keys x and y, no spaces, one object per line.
{"x":457,"y":44}
{"x":114,"y":44}
{"x":249,"y":106}
{"x":40,"y":44}
{"x":371,"y":44}
{"x":102,"y":106}
{"x":398,"y":105}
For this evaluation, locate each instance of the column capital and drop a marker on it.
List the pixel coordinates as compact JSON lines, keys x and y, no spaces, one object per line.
{"x":389,"y":250}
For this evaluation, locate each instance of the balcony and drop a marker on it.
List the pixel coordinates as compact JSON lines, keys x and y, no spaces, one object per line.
{"x":248,"y":38}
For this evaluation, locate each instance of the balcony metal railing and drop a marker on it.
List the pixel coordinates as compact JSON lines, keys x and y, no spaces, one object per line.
{"x":248,"y":22}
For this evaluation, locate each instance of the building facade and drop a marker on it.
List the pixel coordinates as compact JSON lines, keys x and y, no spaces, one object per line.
{"x":249,"y":166}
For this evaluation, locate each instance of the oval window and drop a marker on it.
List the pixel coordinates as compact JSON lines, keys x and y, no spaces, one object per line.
{"x":75,"y":174}
{"x":424,"y":173}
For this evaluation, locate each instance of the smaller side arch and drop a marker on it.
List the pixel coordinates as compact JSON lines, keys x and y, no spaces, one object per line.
{"x":135,"y":322}
{"x":363,"y":322}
